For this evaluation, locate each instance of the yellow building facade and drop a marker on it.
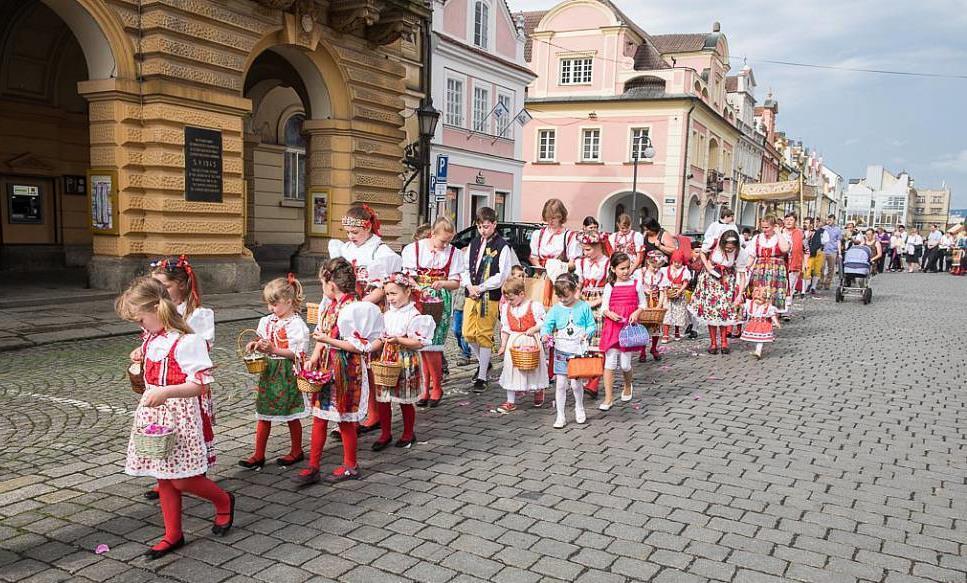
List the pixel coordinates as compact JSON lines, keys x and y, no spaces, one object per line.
{"x":132,"y":129}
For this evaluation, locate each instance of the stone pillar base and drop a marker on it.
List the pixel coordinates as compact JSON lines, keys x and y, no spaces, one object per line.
{"x":215,"y":275}
{"x":306,"y":264}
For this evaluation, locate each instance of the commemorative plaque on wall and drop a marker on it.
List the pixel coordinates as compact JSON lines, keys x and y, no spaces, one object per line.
{"x":203,"y":165}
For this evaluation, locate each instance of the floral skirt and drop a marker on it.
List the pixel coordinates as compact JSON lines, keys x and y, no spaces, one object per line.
{"x":758,"y":330}
{"x":770,"y":273}
{"x":443,"y":326}
{"x":410,"y":385}
{"x":278,"y":397}
{"x":189,"y":456}
{"x":713,"y":300}
{"x":677,"y":314}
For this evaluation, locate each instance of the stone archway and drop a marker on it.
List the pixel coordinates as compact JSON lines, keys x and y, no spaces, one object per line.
{"x":693,"y":215}
{"x":625,"y":202}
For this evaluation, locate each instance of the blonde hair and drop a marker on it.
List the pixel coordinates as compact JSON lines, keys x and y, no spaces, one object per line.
{"x":422,"y":232}
{"x":554,"y":208}
{"x":513,"y":286}
{"x":771,"y":219}
{"x":443,"y":224}
{"x":624,"y":220}
{"x":282,"y":288}
{"x":148,"y":295}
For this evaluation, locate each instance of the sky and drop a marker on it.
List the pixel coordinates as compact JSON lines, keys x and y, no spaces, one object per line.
{"x":853,"y":119}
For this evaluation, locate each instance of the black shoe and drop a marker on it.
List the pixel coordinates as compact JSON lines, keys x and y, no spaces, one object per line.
{"x":446,"y":367}
{"x":306,"y":479}
{"x":151,"y":495}
{"x":406,"y":443}
{"x":691,"y":335}
{"x":364,"y":429}
{"x":713,"y":350}
{"x":434,"y":403}
{"x":345,"y":474}
{"x":251,"y":464}
{"x":381,"y":445}
{"x":222,"y":529}
{"x":422,"y":402}
{"x":479,"y":386}
{"x":153,"y":554}
{"x":335,"y":435}
{"x":726,"y":350}
{"x":593,"y":395}
{"x":286,"y":461}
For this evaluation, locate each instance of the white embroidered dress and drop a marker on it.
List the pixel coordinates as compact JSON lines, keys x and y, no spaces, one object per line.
{"x":373,"y":260}
{"x":405,"y":322}
{"x":514,"y":320}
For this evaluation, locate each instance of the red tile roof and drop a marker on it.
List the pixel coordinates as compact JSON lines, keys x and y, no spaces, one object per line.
{"x":680,"y":43}
{"x":732,"y":83}
{"x":531,"y":20}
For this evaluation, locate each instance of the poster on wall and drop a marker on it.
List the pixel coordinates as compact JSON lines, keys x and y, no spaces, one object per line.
{"x":102,"y":201}
{"x":317,"y":214}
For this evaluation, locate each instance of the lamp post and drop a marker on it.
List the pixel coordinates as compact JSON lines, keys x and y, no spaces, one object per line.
{"x":427,"y":118}
{"x":649,"y":153}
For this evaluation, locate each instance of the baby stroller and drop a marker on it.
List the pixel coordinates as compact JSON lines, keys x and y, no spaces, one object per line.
{"x":854,"y":274}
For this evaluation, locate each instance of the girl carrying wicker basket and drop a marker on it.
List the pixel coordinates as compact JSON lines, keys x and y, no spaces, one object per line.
{"x":655,"y":284}
{"x":624,"y":298}
{"x":521,"y":321}
{"x":283,"y":337}
{"x":345,"y":336}
{"x":168,"y":440}
{"x":406,"y":332}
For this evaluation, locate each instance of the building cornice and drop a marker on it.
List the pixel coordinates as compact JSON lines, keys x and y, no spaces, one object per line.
{"x":449,"y":46}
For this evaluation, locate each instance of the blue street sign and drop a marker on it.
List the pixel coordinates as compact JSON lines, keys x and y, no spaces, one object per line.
{"x":442,"y":167}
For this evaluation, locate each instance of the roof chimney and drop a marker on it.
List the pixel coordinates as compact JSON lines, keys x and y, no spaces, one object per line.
{"x":716,"y":27}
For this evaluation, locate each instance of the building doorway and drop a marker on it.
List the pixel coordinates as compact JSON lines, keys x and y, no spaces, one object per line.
{"x":626,"y":203}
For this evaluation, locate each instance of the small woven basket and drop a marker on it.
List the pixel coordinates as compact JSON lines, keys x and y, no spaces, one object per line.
{"x":154,"y":446}
{"x":312,"y":313}
{"x":652,"y":316}
{"x":305,"y":386}
{"x":136,"y":376}
{"x":386,"y":374}
{"x":525,"y":360}
{"x":255,"y":362}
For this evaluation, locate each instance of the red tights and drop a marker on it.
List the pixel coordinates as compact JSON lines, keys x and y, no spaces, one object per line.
{"x":170,"y":492}
{"x":320,"y":429}
{"x":386,"y":421}
{"x":264,"y":428}
{"x":432,"y":371}
{"x":372,"y":415}
{"x":719,"y":334}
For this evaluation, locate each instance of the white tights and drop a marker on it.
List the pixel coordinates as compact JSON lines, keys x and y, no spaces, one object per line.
{"x":577,"y":387}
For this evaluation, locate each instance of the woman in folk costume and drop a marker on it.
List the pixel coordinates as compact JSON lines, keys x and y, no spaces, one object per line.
{"x":767,"y":263}
{"x":591,"y":227}
{"x":406,"y":332}
{"x":718,"y":294}
{"x":554,"y":247}
{"x":437,"y":266}
{"x":591,"y":270}
{"x":177,"y":370}
{"x":344,"y":339}
{"x":628,"y":241}
{"x":372,"y":260}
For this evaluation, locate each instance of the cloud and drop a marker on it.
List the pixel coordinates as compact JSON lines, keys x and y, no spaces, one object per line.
{"x":952,"y":162}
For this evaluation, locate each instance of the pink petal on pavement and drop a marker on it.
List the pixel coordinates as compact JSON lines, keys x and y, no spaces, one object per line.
{"x":101,"y":549}
{"x":463,"y":403}
{"x":697,"y":397}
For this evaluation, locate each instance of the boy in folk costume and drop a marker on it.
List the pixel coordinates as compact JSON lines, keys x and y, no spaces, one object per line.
{"x":437,"y":267}
{"x":489,"y":259}
{"x":372,"y":260}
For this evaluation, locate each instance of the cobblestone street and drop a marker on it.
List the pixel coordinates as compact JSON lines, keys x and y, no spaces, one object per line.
{"x":838,"y":458}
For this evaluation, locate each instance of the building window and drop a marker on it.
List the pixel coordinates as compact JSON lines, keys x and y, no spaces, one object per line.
{"x":454,"y":102}
{"x":294,"y":172}
{"x":638,"y":141}
{"x":501,"y":199}
{"x":591,"y":145}
{"x":576,"y":71}
{"x":481,"y":109}
{"x":481,"y":24}
{"x":546,"y":145}
{"x":504,"y":115}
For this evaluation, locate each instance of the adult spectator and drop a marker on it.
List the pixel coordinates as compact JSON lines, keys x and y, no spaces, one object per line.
{"x":815,"y":239}
{"x":914,"y":250}
{"x":884,"y":239}
{"x":714,"y":231}
{"x":834,"y":234}
{"x":746,"y":237}
{"x":658,"y":239}
{"x":898,"y":244}
{"x":873,"y":242}
{"x":946,"y":248}
{"x":797,"y":251}
{"x":929,"y":261}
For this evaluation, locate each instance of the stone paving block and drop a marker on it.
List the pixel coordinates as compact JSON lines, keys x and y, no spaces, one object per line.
{"x":635,"y":569}
{"x":188,"y":569}
{"x":430,"y":573}
{"x":280,"y":573}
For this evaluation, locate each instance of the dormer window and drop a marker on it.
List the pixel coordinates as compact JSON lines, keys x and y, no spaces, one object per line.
{"x":576,"y":71}
{"x":481,"y":24}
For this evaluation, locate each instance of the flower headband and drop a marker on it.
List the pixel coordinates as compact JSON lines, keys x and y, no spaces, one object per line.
{"x":591,"y":238}
{"x":657,"y":257}
{"x":371,"y":223}
{"x":170,"y":265}
{"x":402,"y":280}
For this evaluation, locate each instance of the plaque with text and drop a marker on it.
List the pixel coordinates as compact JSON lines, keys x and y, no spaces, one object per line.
{"x":203,"y":165}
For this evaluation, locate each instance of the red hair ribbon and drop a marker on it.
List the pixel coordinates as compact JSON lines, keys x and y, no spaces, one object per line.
{"x":373,"y":220}
{"x":192,"y":280}
{"x":290,"y":278}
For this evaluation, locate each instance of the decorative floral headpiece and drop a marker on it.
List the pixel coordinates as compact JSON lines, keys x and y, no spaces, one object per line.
{"x":170,"y":265}
{"x":371,"y":223}
{"x":592,"y":238}
{"x":402,"y":280}
{"x":657,"y":257}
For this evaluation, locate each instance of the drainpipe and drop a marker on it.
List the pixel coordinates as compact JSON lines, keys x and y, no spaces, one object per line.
{"x":688,"y":134}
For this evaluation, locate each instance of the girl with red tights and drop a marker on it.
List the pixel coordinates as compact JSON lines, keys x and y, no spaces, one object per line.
{"x":344,"y":338}
{"x":406,"y":333}
{"x":283,"y":338}
{"x":176,"y":372}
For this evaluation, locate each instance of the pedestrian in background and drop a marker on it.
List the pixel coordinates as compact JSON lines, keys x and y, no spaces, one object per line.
{"x":898,"y":244}
{"x":884,"y":239}
{"x":914,"y":250}
{"x":834,"y":235}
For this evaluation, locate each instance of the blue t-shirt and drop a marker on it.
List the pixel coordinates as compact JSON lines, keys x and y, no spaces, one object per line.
{"x":835,"y":233}
{"x":560,"y":315}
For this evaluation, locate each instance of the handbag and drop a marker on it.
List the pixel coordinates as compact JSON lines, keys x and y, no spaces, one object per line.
{"x":634,"y":336}
{"x":585,"y":367}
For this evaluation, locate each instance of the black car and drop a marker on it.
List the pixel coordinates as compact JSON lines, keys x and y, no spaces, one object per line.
{"x":517,"y":234}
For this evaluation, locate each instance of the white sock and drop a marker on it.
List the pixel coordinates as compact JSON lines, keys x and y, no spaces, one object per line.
{"x":484,"y":363}
{"x":577,"y":387}
{"x":560,"y":395}
{"x":475,"y":350}
{"x":511,"y":397}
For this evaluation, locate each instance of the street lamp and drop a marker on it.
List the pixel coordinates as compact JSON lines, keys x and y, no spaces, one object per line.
{"x":416,"y":156}
{"x":648,"y":153}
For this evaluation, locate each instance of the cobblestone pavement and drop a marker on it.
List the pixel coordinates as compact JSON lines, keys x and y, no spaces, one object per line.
{"x":840,"y":457}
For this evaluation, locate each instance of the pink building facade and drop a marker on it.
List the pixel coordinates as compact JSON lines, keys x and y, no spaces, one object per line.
{"x":479,"y":81}
{"x":602,"y":85}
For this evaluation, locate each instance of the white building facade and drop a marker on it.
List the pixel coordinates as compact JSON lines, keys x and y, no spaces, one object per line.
{"x":881,"y":199}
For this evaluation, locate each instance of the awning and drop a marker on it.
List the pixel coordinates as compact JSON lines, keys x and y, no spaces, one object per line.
{"x":787,"y":191}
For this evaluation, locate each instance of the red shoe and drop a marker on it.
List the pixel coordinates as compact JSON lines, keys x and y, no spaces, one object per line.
{"x":539,"y":399}
{"x":655,"y":354}
{"x":342,"y":473}
{"x":506,"y":408}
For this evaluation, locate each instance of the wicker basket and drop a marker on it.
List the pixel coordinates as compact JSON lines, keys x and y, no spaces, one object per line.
{"x":585,"y":367}
{"x":652,"y":316}
{"x":312,"y":313}
{"x":525,"y":360}
{"x":386,"y":374}
{"x":154,"y":446}
{"x":434,"y":310}
{"x":136,"y":376}
{"x":255,"y":362}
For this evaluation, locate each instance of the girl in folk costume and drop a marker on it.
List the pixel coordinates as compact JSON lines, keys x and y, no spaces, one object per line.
{"x":406,"y":332}
{"x":345,"y":336}
{"x":176,"y":371}
{"x":654,"y":283}
{"x":372,"y":261}
{"x":179,"y":280}
{"x":762,"y":317}
{"x":718,"y":294}
{"x":284,"y":338}
{"x":624,"y":298}
{"x":591,"y":227}
{"x":569,"y":325}
{"x":520,"y":318}
{"x":554,"y":247}
{"x":628,"y":241}
{"x":678,"y":277}
{"x":437,"y":266}
{"x":767,"y":263}
{"x":591,"y":270}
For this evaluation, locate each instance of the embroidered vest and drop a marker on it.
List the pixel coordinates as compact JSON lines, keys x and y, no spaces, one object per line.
{"x":488,"y":266}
